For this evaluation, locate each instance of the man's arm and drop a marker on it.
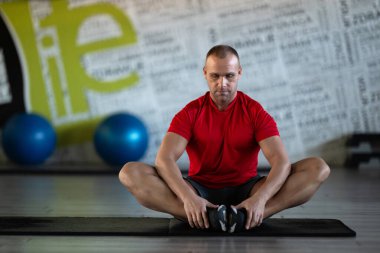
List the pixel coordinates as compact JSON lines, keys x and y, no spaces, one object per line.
{"x":171,"y":149}
{"x":275,"y":153}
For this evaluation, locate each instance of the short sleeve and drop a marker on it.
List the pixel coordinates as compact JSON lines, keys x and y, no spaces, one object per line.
{"x":265,"y":125}
{"x":181,"y":124}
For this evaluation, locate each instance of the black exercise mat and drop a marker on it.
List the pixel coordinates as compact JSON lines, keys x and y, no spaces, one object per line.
{"x":83,"y":226}
{"x":108,"y":226}
{"x":277,"y":227}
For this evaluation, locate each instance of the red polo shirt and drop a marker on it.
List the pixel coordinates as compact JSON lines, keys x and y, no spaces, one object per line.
{"x":223,"y":145}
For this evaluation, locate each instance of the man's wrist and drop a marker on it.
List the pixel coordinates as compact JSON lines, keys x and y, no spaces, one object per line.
{"x":261,"y":196}
{"x":186,"y":193}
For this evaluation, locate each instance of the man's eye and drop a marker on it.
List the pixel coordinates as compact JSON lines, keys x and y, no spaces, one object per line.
{"x":230,"y":76}
{"x":214,"y":76}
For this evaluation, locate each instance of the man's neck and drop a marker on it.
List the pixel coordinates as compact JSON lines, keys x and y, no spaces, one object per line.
{"x":223,"y":105}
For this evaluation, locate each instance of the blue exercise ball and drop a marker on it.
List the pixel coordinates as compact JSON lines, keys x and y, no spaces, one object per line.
{"x":28,"y":138}
{"x":121,"y":138}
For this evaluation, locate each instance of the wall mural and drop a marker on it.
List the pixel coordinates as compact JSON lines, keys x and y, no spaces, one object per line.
{"x":313,"y":64}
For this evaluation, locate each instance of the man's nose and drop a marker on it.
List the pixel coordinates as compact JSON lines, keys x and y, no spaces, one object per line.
{"x":223,"y":81}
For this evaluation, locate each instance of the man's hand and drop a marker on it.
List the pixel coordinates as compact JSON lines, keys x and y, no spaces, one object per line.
{"x":196,"y":211}
{"x":255,"y":211}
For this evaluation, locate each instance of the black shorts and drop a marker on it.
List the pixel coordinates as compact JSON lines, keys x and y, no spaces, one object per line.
{"x":233,"y":195}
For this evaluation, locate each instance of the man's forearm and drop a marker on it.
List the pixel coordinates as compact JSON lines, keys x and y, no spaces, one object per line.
{"x":171,"y":174}
{"x":275,"y":179}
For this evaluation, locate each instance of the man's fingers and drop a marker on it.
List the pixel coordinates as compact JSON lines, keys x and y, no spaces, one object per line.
{"x":249,"y":220}
{"x":256,"y":220}
{"x":200,"y":220}
{"x":260,"y":220}
{"x":195,"y":221}
{"x":205,"y":219}
{"x":197,"y":213}
{"x":190,"y":220}
{"x":254,"y":223}
{"x":209,"y":204}
{"x":237,"y":206}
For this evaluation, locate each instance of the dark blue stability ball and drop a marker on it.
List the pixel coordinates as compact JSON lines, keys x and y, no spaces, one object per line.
{"x":28,"y":138}
{"x":121,"y":138}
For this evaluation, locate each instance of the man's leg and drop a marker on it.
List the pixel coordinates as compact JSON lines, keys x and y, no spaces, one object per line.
{"x":150,"y":190}
{"x":304,"y":180}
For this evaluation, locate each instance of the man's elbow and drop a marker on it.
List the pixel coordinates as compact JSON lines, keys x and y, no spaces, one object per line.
{"x":158,"y":162}
{"x":288,"y":167}
{"x":162,"y":161}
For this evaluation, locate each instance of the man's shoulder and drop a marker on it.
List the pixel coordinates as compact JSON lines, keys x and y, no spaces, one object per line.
{"x":247,"y":100}
{"x":197,"y":103}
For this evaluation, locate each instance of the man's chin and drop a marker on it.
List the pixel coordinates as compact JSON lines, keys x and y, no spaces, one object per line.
{"x":224,"y":96}
{"x":223,"y":99}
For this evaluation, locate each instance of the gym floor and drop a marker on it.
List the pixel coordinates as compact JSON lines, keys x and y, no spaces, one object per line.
{"x":351,"y":195}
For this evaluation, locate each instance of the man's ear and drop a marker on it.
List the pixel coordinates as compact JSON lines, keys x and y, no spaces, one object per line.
{"x":205,"y":72}
{"x":240,"y":71}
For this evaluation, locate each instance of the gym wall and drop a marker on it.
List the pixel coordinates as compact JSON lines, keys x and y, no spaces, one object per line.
{"x":313,"y":64}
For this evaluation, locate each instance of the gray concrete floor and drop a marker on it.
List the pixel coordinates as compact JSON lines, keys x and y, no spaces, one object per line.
{"x":349,"y":195}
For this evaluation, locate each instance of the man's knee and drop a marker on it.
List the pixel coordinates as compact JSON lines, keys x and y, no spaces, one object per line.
{"x":320,"y":168}
{"x":135,"y":177}
{"x":132,"y":173}
{"x":125,"y":174}
{"x":315,"y":167}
